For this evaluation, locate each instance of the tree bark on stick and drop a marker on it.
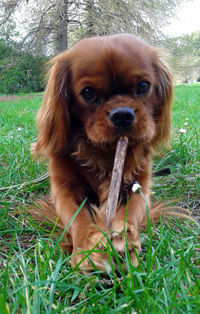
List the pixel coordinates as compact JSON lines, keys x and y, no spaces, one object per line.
{"x":116,"y":179}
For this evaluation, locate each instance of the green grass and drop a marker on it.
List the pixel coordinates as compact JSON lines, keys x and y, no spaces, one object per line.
{"x":183,"y":158}
{"x":35,"y":274}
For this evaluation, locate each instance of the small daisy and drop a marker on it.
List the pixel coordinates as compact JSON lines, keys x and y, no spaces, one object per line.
{"x":136,"y":188}
{"x":182,"y":131}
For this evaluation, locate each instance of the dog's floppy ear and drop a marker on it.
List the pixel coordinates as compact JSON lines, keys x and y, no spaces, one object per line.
{"x":164,"y":95}
{"x":53,"y":121}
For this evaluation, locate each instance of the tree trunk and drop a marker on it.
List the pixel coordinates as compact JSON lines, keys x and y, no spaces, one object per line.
{"x":61,"y":36}
{"x":90,"y":20}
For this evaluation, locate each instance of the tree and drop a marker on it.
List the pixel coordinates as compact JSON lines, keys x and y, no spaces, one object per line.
{"x":52,"y":26}
{"x":61,"y":38}
{"x":144,"y":18}
{"x":20,"y":71}
{"x":185,"y":56}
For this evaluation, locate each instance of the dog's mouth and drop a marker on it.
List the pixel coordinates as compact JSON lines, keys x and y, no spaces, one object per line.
{"x":122,"y":131}
{"x":127,"y":133}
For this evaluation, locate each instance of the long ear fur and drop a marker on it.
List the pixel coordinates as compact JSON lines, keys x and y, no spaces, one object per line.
{"x":164,"y":93}
{"x":53,"y":121}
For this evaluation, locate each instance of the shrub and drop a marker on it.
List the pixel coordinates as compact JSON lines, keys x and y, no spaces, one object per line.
{"x":20,"y":72}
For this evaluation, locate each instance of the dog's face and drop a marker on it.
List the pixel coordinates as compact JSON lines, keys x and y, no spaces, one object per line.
{"x":114,"y":85}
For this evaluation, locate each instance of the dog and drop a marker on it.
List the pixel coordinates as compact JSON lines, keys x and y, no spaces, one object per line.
{"x":100,"y":89}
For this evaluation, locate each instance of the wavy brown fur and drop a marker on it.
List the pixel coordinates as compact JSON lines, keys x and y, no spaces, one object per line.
{"x":100,"y":89}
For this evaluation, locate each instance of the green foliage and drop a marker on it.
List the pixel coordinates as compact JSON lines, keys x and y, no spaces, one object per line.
{"x":185,"y":56}
{"x":20,"y":72}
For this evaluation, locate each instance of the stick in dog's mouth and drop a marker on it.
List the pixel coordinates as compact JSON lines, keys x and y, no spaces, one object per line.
{"x":116,"y":179}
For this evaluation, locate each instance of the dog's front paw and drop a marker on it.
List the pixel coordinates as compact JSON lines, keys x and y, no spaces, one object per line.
{"x":90,"y":250}
{"x":133,"y":239}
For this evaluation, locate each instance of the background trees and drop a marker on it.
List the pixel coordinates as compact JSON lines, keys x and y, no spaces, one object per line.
{"x":20,"y":71}
{"x":185,"y":56}
{"x":54,"y":25}
{"x":45,"y":28}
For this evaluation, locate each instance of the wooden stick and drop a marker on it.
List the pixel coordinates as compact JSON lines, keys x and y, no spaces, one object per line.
{"x":115,"y":184}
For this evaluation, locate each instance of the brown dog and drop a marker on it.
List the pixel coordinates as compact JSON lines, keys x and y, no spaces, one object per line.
{"x":98,"y":90}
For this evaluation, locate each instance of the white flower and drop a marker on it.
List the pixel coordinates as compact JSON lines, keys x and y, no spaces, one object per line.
{"x":182,"y":131}
{"x":185,"y":123}
{"x":19,"y":129}
{"x":136,"y":188}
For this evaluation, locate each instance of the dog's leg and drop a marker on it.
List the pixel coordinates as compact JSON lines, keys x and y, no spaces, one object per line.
{"x":67,"y":196}
{"x":136,"y":216}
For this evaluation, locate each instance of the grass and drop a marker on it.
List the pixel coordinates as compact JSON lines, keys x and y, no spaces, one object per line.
{"x":183,"y":158}
{"x":35,"y":274}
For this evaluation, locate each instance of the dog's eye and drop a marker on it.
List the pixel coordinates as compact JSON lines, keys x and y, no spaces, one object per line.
{"x":89,"y":94}
{"x":142,"y":88}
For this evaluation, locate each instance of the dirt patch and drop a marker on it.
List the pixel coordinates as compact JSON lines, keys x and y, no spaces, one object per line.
{"x":16,"y":98}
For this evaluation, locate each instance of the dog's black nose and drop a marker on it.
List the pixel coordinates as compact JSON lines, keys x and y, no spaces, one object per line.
{"x":122,"y":117}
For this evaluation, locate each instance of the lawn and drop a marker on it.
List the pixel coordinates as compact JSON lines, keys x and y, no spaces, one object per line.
{"x":35,"y":274}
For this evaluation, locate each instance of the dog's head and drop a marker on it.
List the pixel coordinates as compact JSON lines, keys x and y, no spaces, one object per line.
{"x":106,"y":86}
